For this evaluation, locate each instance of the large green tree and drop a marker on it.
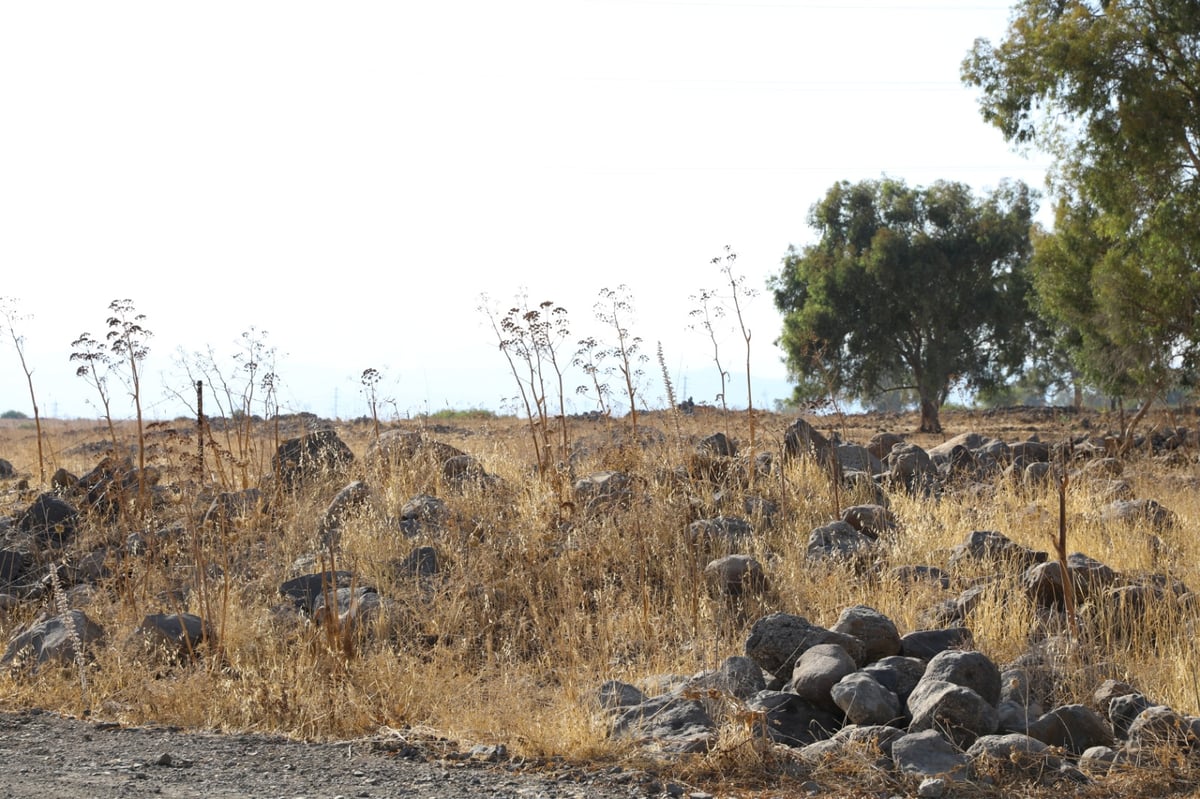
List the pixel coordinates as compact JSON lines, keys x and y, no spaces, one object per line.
{"x":1111,"y":89}
{"x":917,"y":288}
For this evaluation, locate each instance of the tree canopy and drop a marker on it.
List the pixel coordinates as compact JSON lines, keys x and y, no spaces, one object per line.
{"x":1111,"y":89}
{"x":909,"y":288}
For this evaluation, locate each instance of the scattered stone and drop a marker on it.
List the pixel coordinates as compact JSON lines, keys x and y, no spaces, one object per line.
{"x":50,"y":520}
{"x":318,"y":453}
{"x":53,"y":640}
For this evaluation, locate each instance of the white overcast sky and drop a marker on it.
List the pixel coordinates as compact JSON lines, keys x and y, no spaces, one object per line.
{"x":350,"y":177}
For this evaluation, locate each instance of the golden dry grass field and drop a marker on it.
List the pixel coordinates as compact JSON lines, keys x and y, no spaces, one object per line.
{"x":538,"y":601}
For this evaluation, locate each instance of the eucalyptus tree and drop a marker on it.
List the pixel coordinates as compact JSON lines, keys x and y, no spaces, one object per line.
{"x":909,"y":288}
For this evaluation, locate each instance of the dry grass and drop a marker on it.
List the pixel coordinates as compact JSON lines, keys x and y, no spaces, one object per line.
{"x":539,"y":602}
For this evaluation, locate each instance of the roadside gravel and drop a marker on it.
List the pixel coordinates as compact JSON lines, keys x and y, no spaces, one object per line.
{"x":47,"y":756}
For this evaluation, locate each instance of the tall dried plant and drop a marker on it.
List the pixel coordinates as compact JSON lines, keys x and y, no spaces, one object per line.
{"x":9,"y":312}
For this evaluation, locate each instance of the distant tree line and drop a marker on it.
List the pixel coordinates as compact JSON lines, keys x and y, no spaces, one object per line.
{"x":920,"y":291}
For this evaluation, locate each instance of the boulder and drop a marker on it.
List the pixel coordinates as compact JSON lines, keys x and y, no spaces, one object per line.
{"x":725,"y":534}
{"x":816,"y":672}
{"x":790,"y":719}
{"x":911,"y":466}
{"x":53,"y":641}
{"x":777,"y":641}
{"x":737,"y":676}
{"x":50,"y":520}
{"x":925,"y":644}
{"x":1074,"y":728}
{"x":602,"y":490}
{"x":954,"y":710}
{"x":970,"y":669}
{"x":898,"y":674}
{"x":423,"y":514}
{"x":877,"y":632}
{"x":864,"y":701}
{"x":304,"y":591}
{"x":993,"y":549}
{"x":1134,"y":511}
{"x":351,"y":499}
{"x":926,"y":753}
{"x":670,"y":723}
{"x":307,"y":457}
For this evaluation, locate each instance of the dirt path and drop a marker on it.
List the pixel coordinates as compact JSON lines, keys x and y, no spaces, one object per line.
{"x":46,"y":756}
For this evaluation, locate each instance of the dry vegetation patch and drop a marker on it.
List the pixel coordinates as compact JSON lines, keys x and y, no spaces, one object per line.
{"x":539,"y":594}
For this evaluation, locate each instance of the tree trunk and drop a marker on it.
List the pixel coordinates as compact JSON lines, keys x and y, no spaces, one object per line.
{"x":929,"y":416}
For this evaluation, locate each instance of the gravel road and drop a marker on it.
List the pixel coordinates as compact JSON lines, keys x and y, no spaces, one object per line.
{"x":47,"y":756}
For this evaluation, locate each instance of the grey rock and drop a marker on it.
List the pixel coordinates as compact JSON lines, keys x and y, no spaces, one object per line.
{"x":50,"y":520}
{"x":911,"y":466}
{"x":421,"y":563}
{"x":925,"y":644}
{"x":52,"y":640}
{"x":954,"y":710}
{"x":927,"y":754}
{"x":910,"y":574}
{"x":305,"y":590}
{"x":228,"y":507}
{"x":669,"y":723}
{"x":738,"y":676}
{"x":720,"y":534}
{"x":350,"y":500}
{"x":423,"y":514}
{"x":316,"y":454}
{"x":1158,"y":726}
{"x":793,"y":720}
{"x":1075,"y":728}
{"x":990,"y":548}
{"x":602,"y":491}
{"x":864,"y":701}
{"x":1135,"y":511}
{"x":1044,"y":582}
{"x":876,"y":631}
{"x":857,"y":458}
{"x":777,"y":641}
{"x":898,"y":674}
{"x":819,"y":669}
{"x":615,"y":694}
{"x":970,"y":669}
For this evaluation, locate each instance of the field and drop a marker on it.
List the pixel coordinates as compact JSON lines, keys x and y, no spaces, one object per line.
{"x":539,"y":595}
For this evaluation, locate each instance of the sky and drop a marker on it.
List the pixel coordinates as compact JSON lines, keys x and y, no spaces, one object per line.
{"x":347,"y":181}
